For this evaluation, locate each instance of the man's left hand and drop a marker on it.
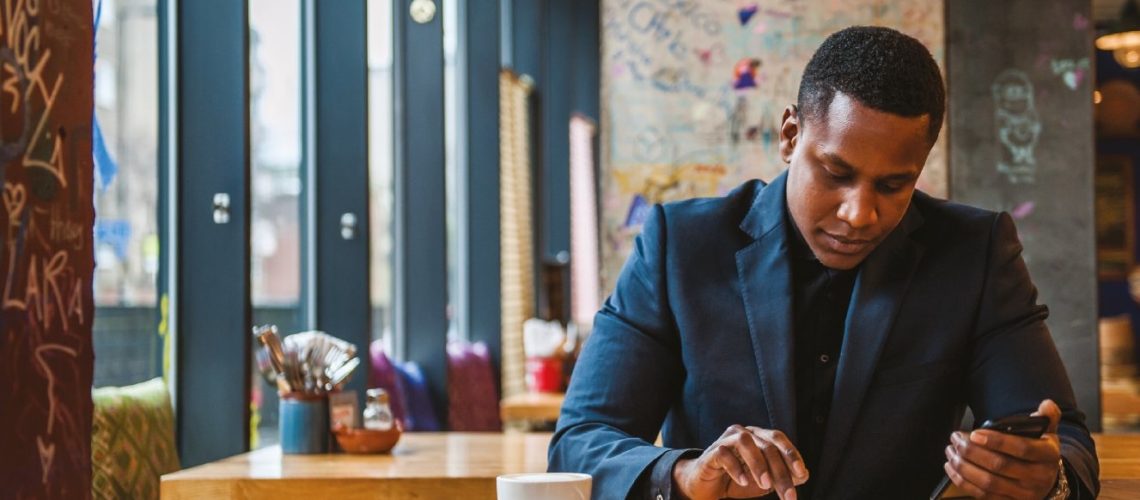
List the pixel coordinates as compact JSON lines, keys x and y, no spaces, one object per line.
{"x":989,"y":464}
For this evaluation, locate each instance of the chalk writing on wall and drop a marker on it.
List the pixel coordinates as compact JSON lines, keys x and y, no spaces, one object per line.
{"x":46,"y":257}
{"x":693,"y":93}
{"x":1071,"y":71}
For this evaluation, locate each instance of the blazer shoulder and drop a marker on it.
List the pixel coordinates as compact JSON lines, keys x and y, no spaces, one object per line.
{"x":713,"y":215}
{"x":950,"y":220}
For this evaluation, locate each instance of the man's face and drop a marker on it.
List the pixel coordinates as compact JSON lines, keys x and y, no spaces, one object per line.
{"x":851,"y":177}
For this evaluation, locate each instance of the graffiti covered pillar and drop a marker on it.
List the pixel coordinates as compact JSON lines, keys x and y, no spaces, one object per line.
{"x":1021,"y":140}
{"x":46,"y":256}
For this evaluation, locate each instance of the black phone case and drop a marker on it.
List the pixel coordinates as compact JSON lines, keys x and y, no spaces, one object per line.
{"x":1019,"y":425}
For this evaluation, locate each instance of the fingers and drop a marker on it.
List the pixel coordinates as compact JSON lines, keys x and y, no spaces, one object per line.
{"x":736,"y":455}
{"x":737,"y":465}
{"x":978,"y":481}
{"x":722,"y":458}
{"x":785,"y":464}
{"x":789,"y":454}
{"x":998,"y":463}
{"x":966,"y":486}
{"x":1046,"y":449}
{"x":961,"y":482}
{"x":997,"y":473}
{"x":781,"y":476}
{"x":1050,"y":409}
{"x":756,"y":461}
{"x":730,"y":431}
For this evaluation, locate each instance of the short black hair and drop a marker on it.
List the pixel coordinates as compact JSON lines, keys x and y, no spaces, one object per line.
{"x":879,"y":67}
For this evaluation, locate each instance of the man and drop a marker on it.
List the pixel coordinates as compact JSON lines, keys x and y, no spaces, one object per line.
{"x":821,"y":336}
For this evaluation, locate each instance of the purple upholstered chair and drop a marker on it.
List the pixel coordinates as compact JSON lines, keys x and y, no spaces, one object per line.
{"x":473,"y":400}
{"x":407,"y":390}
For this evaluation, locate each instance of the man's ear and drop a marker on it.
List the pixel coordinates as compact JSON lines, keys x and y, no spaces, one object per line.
{"x":789,"y":132}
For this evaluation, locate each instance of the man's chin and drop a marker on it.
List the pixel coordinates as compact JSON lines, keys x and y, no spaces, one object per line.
{"x":839,"y":261}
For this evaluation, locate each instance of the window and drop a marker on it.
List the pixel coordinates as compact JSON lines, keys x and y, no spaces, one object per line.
{"x":126,"y":333}
{"x":382,"y":163}
{"x":275,"y":189}
{"x":454,"y":101}
{"x":380,"y":169}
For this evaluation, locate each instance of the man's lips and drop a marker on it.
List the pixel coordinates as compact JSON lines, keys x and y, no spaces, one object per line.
{"x":844,"y":245}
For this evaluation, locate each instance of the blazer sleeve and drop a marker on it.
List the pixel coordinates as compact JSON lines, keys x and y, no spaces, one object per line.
{"x":1014,"y":362}
{"x":626,"y":378}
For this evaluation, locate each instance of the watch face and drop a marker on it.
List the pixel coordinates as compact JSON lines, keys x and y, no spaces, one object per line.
{"x":422,"y":11}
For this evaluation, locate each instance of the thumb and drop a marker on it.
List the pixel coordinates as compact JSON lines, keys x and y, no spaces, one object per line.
{"x":1048,"y":408}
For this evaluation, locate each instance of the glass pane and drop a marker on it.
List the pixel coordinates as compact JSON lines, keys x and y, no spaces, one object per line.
{"x":380,"y":167}
{"x":275,"y":153}
{"x":127,"y":340}
{"x":454,"y":118}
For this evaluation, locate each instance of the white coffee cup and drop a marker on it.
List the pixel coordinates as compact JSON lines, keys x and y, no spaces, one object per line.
{"x":544,"y":485}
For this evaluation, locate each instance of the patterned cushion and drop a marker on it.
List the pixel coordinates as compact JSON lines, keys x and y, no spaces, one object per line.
{"x":132,"y":440}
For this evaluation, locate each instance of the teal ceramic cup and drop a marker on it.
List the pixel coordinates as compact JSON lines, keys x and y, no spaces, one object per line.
{"x":304,"y":424}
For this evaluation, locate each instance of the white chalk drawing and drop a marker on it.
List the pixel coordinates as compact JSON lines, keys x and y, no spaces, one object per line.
{"x":1073,"y":72}
{"x":1017,"y":125}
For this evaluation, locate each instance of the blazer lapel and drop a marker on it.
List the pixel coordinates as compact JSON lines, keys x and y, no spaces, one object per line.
{"x":765,"y":284}
{"x":879,"y":289}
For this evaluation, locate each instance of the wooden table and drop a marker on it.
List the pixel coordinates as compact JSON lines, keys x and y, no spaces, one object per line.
{"x":1120,"y":401}
{"x":423,"y":465}
{"x":531,"y":406}
{"x":1119,"y":465}
{"x":455,"y":465}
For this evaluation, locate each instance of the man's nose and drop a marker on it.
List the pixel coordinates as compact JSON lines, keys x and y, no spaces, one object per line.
{"x":858,"y":209}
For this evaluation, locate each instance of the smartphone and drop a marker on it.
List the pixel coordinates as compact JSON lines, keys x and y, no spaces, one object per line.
{"x":1030,"y":426}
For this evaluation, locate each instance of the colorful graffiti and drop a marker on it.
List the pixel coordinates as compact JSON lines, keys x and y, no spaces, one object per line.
{"x":694,"y":91}
{"x":47,"y":260}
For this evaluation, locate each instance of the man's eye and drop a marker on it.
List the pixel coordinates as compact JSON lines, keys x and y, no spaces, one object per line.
{"x":891,"y":187}
{"x":835,"y":175}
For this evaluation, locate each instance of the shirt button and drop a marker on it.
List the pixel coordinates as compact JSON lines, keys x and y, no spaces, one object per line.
{"x":819,"y":419}
{"x":823,"y":358}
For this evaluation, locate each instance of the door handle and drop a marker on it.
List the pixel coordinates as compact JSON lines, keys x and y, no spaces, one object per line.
{"x":221,"y":208}
{"x":348,"y":225}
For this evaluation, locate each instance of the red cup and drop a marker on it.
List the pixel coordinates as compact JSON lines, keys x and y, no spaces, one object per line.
{"x":544,"y":374}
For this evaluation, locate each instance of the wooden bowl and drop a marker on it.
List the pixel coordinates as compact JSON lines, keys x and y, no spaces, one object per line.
{"x":367,"y":440}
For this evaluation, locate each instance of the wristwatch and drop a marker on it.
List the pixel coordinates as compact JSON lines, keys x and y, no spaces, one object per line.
{"x":1061,"y":490}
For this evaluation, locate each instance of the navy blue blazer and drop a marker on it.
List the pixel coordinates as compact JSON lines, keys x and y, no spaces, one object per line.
{"x":697,"y":336}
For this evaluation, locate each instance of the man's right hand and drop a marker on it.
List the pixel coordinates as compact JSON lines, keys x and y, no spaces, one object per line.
{"x":745,"y":462}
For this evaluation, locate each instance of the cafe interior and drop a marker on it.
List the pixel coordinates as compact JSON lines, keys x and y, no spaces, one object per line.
{"x":353,"y":248}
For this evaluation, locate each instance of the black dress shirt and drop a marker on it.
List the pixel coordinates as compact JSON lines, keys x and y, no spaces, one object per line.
{"x":821,"y":297}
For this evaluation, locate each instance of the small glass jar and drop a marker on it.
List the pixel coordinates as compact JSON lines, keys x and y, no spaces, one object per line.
{"x":377,"y":412}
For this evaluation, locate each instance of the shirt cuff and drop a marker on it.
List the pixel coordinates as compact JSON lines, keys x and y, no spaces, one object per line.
{"x":1077,"y":489}
{"x":661,"y":476}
